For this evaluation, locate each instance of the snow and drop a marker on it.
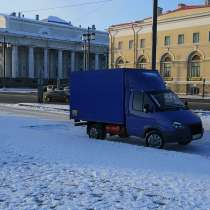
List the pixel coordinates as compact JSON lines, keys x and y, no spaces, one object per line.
{"x":39,"y":107}
{"x":17,"y":90}
{"x":54,"y":19}
{"x":48,"y":164}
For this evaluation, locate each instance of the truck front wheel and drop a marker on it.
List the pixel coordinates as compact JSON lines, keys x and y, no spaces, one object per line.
{"x":154,"y":139}
{"x":96,"y":132}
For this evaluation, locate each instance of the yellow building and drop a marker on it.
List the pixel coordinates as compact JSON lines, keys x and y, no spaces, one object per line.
{"x":183,"y":47}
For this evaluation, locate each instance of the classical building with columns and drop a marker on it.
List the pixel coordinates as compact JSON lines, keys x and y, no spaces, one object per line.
{"x":183,"y":47}
{"x":50,"y":48}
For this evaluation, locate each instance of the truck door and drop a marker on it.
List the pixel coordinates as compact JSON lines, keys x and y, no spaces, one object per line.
{"x":137,"y":119}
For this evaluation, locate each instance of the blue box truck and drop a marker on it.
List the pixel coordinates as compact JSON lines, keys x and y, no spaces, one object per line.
{"x":128,"y":102}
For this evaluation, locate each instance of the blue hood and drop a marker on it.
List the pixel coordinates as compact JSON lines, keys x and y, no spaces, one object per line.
{"x":186,"y":117}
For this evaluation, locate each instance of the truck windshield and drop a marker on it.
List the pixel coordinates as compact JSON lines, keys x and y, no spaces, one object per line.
{"x":167,"y":100}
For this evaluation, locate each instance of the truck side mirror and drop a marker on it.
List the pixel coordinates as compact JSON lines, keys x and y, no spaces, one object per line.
{"x":146,"y":108}
{"x":186,"y":104}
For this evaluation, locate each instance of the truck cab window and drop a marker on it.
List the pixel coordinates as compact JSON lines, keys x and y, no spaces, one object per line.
{"x":149,"y":103}
{"x":138,"y":102}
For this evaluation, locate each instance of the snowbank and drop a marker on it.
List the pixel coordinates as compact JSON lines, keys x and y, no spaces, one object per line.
{"x":17,"y":90}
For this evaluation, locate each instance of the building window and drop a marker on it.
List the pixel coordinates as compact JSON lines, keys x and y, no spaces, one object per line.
{"x":166,"y":66}
{"x":193,"y":90}
{"x":167,"y":40}
{"x":120,"y":45}
{"x":138,"y":102}
{"x":130,"y":44}
{"x":196,"y":38}
{"x":119,"y":63}
{"x":194,"y":66}
{"x":142,"y":43}
{"x":141,"y":63}
{"x":181,"y":39}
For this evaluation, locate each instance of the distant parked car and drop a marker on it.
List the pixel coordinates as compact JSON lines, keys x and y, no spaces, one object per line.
{"x":66,"y":89}
{"x":56,"y":95}
{"x":51,"y":87}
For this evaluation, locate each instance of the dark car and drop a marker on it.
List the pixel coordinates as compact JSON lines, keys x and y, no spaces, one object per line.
{"x":56,"y":95}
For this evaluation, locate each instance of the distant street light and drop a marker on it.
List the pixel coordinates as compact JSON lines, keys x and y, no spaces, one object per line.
{"x":4,"y":45}
{"x":204,"y":84}
{"x":154,"y":34}
{"x":87,"y":37}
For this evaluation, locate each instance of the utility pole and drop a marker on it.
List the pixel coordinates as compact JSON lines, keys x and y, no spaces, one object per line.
{"x":87,"y":37}
{"x":154,"y":34}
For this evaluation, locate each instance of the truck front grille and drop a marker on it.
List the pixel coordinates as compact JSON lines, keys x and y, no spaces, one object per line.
{"x":196,"y":128}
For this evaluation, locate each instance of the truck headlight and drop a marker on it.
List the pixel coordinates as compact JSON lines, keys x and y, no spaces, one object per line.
{"x":177,"y":125}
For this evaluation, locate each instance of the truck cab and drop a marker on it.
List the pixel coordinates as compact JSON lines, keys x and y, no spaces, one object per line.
{"x":160,"y":117}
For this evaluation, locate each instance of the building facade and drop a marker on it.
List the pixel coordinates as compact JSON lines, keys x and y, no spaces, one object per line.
{"x":50,"y":48}
{"x":183,"y":47}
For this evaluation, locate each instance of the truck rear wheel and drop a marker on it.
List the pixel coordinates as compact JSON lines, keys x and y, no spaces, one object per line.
{"x":96,"y":132}
{"x":154,"y":139}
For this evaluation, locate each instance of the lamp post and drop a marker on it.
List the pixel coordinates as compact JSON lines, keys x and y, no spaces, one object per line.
{"x":40,"y":86}
{"x":154,"y":34}
{"x":204,"y":84}
{"x":87,"y":37}
{"x":4,"y":45}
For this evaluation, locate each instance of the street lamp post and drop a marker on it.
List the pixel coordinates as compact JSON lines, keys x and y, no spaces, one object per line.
{"x":87,"y":37}
{"x":40,"y":86}
{"x":154,"y":34}
{"x":4,"y":45}
{"x":204,"y":84}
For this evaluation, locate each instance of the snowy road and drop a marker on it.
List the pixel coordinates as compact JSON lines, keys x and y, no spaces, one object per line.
{"x":48,"y":164}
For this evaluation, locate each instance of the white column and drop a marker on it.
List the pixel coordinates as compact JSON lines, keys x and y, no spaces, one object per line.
{"x":31,"y":62}
{"x":96,"y":61}
{"x":14,"y":61}
{"x":73,"y":61}
{"x":46,"y":73}
{"x":60,"y":64}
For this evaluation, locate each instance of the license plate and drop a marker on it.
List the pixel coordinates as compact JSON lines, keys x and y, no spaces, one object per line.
{"x":197,"y":136}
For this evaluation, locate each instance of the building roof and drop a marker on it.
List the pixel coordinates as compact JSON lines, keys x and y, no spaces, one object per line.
{"x":179,"y":11}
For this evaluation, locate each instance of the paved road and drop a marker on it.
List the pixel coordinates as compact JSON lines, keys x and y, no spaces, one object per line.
{"x":197,"y":104}
{"x":13,"y":98}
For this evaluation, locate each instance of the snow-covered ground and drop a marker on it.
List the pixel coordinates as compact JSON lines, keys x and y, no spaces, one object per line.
{"x":49,"y":164}
{"x":17,"y":90}
{"x":64,"y":109}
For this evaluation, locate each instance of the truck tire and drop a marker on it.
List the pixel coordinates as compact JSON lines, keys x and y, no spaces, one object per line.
{"x":96,"y":132}
{"x":154,"y":139}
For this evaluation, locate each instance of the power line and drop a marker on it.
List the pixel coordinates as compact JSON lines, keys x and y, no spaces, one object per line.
{"x":89,"y":13}
{"x":67,"y":6}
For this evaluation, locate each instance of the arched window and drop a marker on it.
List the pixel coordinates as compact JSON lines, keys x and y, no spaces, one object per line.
{"x":194,"y":65}
{"x":166,"y":66}
{"x":119,"y":63}
{"x":142,"y":62}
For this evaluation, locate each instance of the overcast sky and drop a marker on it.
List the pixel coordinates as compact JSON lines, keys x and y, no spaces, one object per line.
{"x":102,"y":15}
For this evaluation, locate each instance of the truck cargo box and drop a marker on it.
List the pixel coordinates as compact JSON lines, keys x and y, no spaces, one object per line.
{"x":99,"y":96}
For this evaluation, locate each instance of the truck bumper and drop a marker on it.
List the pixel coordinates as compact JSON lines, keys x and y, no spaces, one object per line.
{"x":181,"y":135}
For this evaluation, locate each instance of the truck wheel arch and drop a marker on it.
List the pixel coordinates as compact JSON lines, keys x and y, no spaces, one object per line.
{"x":147,"y":130}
